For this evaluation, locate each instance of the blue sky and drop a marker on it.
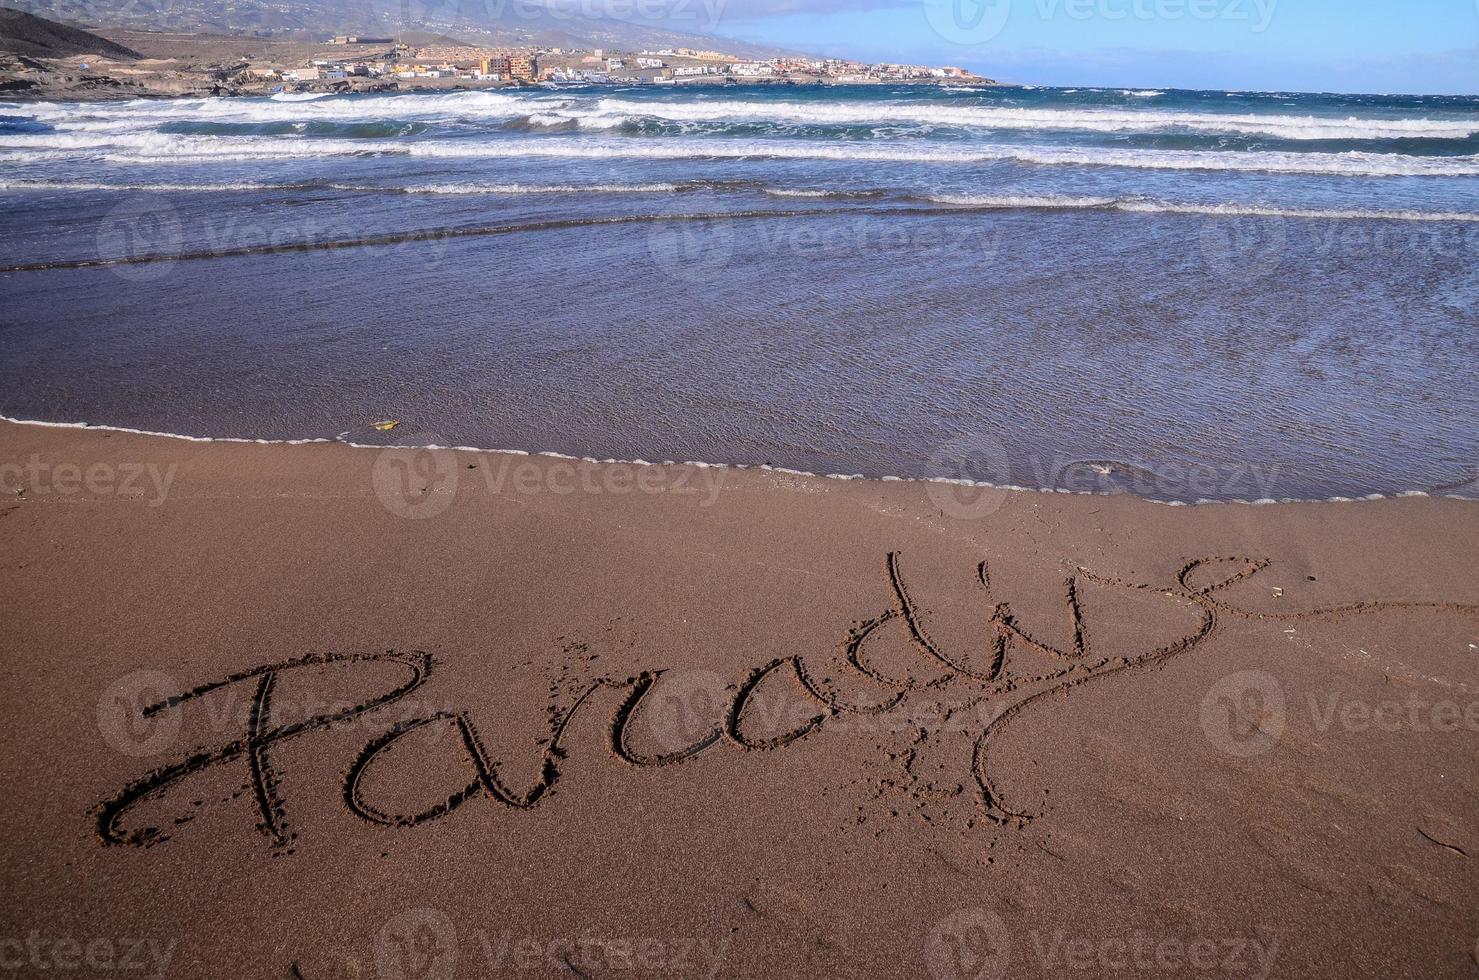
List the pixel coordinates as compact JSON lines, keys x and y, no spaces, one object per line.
{"x":1429,"y":46}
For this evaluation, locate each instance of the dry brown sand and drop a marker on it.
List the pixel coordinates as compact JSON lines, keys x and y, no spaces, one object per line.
{"x":274,"y":711}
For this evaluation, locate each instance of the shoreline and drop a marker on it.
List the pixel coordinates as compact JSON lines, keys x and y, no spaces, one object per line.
{"x":1431,"y":493}
{"x":97,"y":88}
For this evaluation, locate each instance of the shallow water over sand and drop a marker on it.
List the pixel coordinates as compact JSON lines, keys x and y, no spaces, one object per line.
{"x":1256,"y":301}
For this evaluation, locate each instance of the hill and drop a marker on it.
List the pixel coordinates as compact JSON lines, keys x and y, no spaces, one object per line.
{"x":36,"y":37}
{"x":490,"y":24}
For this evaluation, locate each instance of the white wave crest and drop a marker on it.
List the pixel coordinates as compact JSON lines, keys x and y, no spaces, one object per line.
{"x":788,"y":192}
{"x":139,"y":114}
{"x":451,"y":189}
{"x":1147,"y":206}
{"x":1006,"y":118}
{"x":973,"y":201}
{"x":162,"y":148}
{"x":1013,"y":201}
{"x":608,"y":112}
{"x":83,"y":185}
{"x":659,"y":188}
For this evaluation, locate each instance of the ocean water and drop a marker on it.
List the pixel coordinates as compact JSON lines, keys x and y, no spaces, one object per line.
{"x":1186,"y":295}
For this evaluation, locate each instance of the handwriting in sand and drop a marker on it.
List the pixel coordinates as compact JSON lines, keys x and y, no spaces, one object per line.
{"x":1012,"y":664}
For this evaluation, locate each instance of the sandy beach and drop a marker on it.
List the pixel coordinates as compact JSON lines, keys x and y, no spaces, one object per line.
{"x":326,"y":712}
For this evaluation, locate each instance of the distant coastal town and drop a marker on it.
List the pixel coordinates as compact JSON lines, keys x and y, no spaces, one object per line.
{"x":42,"y":59}
{"x":565,"y":66}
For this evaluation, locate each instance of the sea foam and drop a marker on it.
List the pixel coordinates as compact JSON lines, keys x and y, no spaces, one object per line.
{"x":167,"y":148}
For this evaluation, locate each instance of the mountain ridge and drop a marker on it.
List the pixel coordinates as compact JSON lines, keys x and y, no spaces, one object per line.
{"x":30,"y":36}
{"x":476,"y":22}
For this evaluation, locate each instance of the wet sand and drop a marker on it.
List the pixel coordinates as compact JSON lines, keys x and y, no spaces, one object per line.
{"x":325,"y":712}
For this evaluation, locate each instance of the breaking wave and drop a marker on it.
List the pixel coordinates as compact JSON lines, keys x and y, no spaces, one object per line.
{"x":599,"y":113}
{"x":1147,"y":206}
{"x":161,"y":148}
